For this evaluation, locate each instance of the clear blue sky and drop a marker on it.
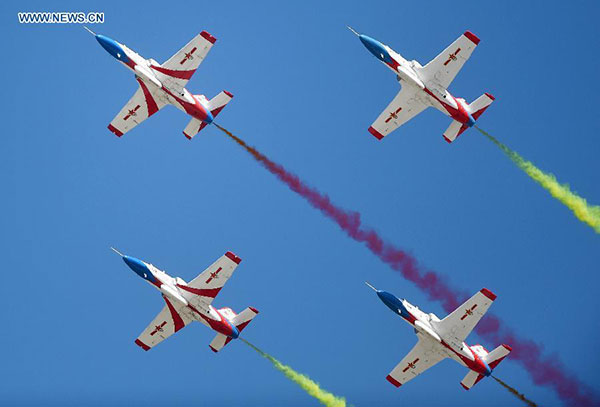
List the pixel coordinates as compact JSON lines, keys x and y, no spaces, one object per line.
{"x":306,"y":91}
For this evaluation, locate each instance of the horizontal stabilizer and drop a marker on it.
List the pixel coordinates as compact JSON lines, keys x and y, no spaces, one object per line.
{"x":242,"y":319}
{"x":497,"y":355}
{"x":218,"y":342}
{"x":471,"y":379}
{"x":478,"y":106}
{"x":454,"y":130}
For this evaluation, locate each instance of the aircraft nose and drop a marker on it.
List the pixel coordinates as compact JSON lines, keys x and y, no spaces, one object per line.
{"x":136,"y":265}
{"x":372,"y":45}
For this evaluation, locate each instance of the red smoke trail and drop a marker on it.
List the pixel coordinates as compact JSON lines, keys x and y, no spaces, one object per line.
{"x":548,"y":372}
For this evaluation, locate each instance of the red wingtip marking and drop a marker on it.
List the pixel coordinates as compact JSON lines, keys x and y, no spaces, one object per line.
{"x":490,"y":96}
{"x":374,"y":132}
{"x":233,"y":257}
{"x":256,"y":311}
{"x":508,"y":348}
{"x":188,"y":137}
{"x":228,"y":93}
{"x":208,"y":37}
{"x":113,"y":129}
{"x":142,"y":345}
{"x":472,"y":37}
{"x":393,"y":381}
{"x":213,"y":349}
{"x":488,"y":294}
{"x":447,"y":140}
{"x":464,"y":387}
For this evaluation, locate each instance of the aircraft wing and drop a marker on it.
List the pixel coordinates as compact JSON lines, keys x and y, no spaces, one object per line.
{"x":419,"y":359}
{"x":207,"y":285}
{"x":462,"y":320}
{"x":444,"y":68}
{"x":168,"y":321}
{"x":404,"y":107}
{"x":142,"y":105}
{"x":178,"y":69}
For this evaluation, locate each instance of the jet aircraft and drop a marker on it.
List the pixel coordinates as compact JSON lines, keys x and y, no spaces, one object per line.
{"x":164,"y":84}
{"x":440,"y":339}
{"x":187,"y":302}
{"x":426,"y":86}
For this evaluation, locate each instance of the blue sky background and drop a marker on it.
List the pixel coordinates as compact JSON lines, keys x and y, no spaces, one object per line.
{"x":306,"y":91}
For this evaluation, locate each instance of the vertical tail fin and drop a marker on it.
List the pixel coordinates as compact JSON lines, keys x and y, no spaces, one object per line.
{"x":240,"y":321}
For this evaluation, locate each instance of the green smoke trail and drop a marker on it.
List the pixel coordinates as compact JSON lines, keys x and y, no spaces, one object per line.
{"x":312,"y":388}
{"x":585,"y":212}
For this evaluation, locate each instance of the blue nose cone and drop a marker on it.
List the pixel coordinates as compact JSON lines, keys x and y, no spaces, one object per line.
{"x":137,"y":266}
{"x":112,"y":47}
{"x":375,"y":47}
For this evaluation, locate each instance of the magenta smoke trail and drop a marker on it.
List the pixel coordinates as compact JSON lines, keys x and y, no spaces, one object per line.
{"x":544,"y":371}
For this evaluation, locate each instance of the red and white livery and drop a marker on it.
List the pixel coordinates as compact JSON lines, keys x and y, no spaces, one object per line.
{"x":165,"y":84}
{"x":187,"y":302}
{"x":441,"y":339}
{"x":427,"y":86}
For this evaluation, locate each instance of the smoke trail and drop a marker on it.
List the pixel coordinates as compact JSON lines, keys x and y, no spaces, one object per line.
{"x":514,"y":391}
{"x":543,"y":371}
{"x":585,"y":212}
{"x":312,"y":388}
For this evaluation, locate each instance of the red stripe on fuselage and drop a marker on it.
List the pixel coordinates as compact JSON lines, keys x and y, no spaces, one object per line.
{"x":459,"y":114}
{"x":195,"y":110}
{"x":476,"y":365}
{"x":221,"y":326}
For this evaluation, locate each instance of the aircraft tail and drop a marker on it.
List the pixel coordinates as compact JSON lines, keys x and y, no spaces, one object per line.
{"x":478,"y":106}
{"x":215,"y":105}
{"x":492,"y":359}
{"x":240,"y":321}
{"x":476,"y":109}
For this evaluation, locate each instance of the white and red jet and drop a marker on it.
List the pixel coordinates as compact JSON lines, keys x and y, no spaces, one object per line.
{"x":187,"y":302}
{"x":426,"y":86}
{"x":161,"y":85}
{"x":440,"y":339}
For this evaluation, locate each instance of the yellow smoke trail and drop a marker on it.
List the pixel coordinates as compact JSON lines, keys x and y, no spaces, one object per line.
{"x":515,"y":392}
{"x":312,"y":388}
{"x":589,"y":214}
